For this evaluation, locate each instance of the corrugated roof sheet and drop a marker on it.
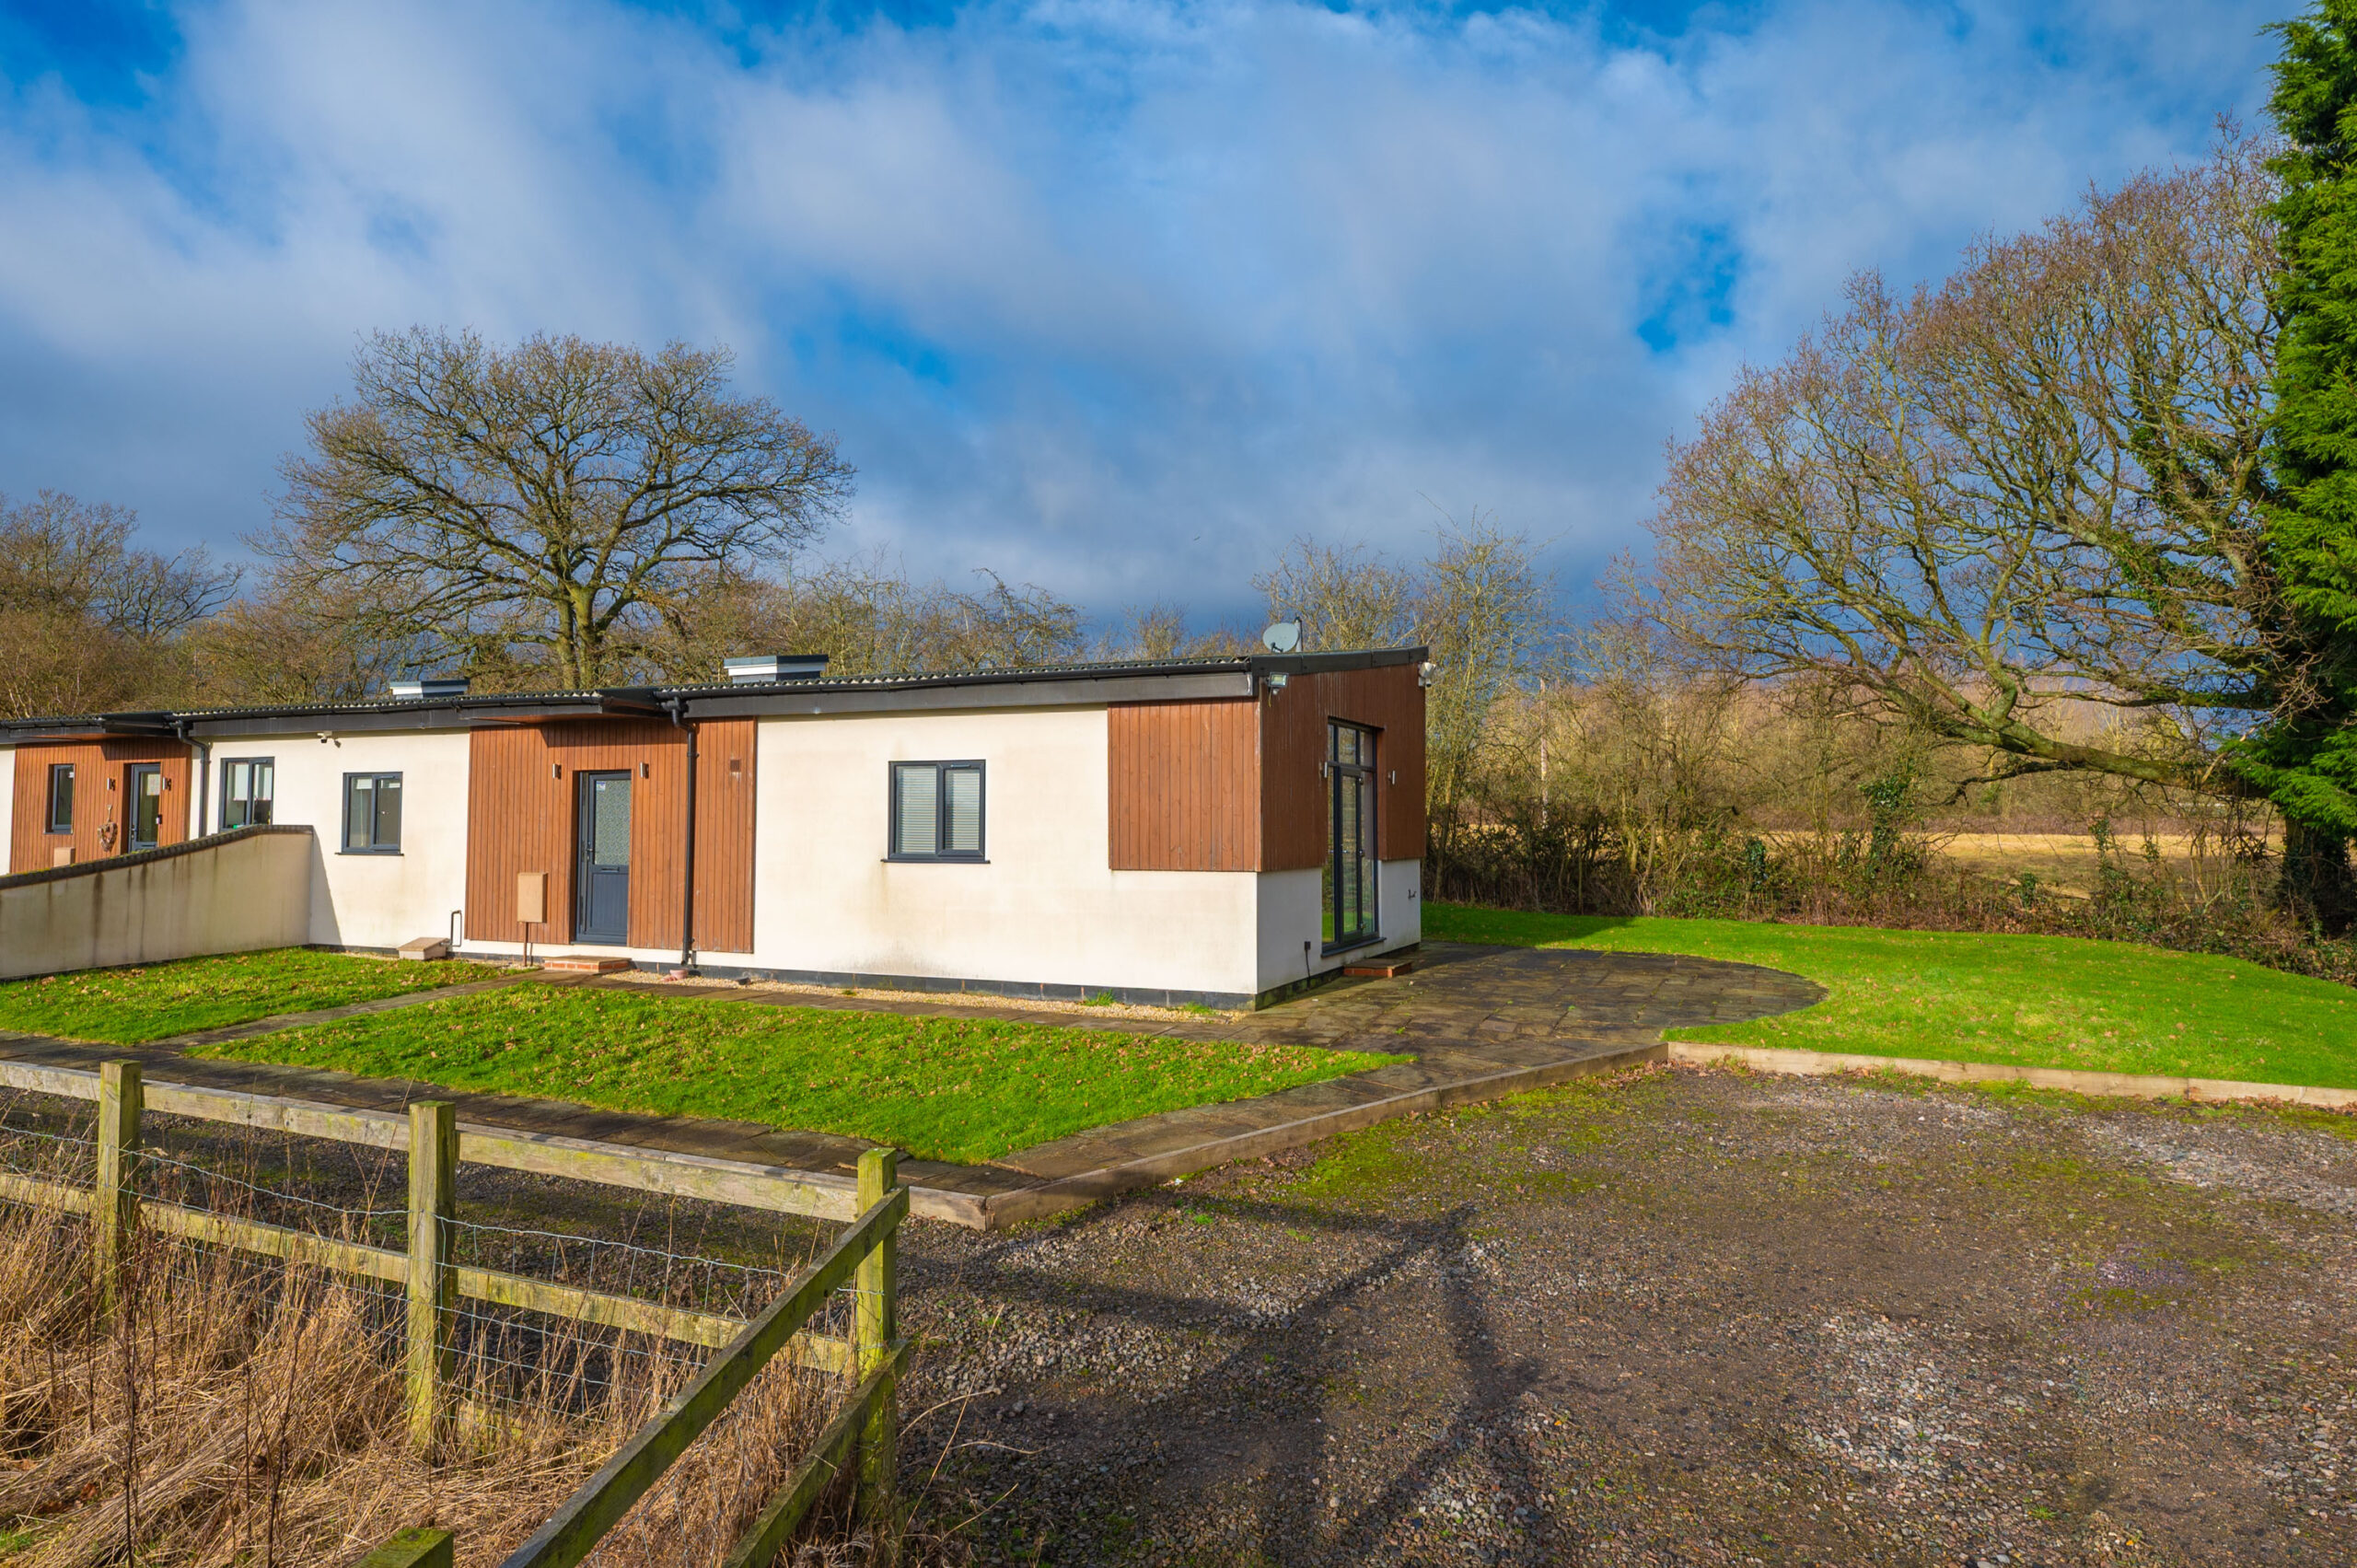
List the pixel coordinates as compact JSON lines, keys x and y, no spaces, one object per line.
{"x":655,"y":694}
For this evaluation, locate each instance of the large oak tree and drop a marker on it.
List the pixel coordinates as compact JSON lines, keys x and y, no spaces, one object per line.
{"x":545,"y":507}
{"x":2042,"y":484}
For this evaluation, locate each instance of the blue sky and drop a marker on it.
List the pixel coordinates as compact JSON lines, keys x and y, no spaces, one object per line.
{"x":1112,"y":297}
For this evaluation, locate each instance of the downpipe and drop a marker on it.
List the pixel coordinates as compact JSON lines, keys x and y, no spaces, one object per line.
{"x":679,"y":707}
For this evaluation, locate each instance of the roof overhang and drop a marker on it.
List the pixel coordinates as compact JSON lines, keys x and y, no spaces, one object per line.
{"x":1069,"y":686}
{"x":970,"y":693}
{"x":93,"y":727}
{"x":541,"y":710}
{"x":470,"y":712}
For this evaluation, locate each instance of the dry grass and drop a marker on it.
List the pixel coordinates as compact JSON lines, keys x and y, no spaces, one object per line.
{"x":243,"y":1414}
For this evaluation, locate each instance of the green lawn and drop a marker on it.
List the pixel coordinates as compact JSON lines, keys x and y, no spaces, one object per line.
{"x":2029,"y":1000}
{"x":943,"y":1088}
{"x":128,"y":1005}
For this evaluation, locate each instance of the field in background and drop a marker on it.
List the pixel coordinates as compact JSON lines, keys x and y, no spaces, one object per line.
{"x":2064,"y":862}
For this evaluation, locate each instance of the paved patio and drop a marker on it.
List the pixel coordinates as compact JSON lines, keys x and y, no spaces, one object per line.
{"x":1479,"y":1022}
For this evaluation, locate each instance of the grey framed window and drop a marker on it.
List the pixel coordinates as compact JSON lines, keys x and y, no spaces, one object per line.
{"x":61,"y":797}
{"x":249,"y":791}
{"x":936,"y":811}
{"x":372,"y":813}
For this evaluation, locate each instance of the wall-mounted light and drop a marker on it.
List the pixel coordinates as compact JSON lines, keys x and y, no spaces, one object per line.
{"x":1276,"y":679}
{"x":1425,"y":672}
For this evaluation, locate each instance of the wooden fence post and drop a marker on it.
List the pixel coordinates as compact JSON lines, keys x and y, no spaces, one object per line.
{"x":433,"y":1283}
{"x":114,"y":1205}
{"x":412,"y":1548}
{"x":878,"y":1325}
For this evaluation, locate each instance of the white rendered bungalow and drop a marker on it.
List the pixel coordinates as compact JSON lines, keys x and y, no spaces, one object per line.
{"x":1209,"y":829}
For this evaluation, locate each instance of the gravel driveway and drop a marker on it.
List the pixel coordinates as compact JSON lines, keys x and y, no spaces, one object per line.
{"x":1674,"y":1317}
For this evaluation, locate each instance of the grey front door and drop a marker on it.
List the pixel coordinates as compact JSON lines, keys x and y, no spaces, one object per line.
{"x":146,"y":806}
{"x":601,"y":875}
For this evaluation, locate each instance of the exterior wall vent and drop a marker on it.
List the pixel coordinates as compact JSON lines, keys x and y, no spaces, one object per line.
{"x":759,"y":669}
{"x":430,"y":689}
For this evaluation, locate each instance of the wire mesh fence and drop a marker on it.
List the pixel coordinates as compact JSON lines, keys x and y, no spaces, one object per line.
{"x":530,"y":1378}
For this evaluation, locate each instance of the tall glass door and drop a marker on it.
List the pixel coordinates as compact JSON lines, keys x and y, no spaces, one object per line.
{"x":1351,"y":862}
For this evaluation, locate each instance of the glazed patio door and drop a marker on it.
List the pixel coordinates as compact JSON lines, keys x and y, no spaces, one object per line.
{"x":1351,"y":864}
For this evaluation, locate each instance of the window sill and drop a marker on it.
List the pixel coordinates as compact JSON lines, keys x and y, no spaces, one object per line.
{"x":936,"y":860}
{"x":371,"y":853}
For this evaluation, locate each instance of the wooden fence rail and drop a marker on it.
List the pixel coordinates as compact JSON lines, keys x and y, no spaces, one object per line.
{"x":866,"y":1256}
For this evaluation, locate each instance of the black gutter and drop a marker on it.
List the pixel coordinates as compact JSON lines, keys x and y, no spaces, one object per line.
{"x":203,"y":775}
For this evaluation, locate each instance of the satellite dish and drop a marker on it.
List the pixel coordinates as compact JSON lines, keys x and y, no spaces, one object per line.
{"x":1282,"y":638}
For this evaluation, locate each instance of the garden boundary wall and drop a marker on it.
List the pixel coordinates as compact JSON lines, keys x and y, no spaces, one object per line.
{"x":233,"y":892}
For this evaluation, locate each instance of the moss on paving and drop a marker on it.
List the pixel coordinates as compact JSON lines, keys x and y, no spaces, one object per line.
{"x":1972,"y":996}
{"x":127,"y":1007}
{"x":947,"y":1088}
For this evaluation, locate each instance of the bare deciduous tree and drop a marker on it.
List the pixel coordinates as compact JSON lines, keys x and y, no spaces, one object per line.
{"x":2041,"y":484}
{"x":559,"y":498}
{"x":870,"y":617}
{"x":1480,"y":603}
{"x":1345,"y":596}
{"x":89,"y":621}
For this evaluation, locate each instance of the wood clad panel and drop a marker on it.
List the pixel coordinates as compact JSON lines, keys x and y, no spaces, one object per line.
{"x":1184,"y":787}
{"x":1293,"y":745}
{"x":96,"y":764}
{"x":724,"y":839}
{"x":521,"y":796}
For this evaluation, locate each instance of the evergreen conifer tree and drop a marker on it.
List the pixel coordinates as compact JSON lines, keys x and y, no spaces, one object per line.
{"x":2305,"y":757}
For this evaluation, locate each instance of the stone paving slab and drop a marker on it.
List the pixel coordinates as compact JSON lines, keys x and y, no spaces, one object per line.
{"x":1479,"y":1022}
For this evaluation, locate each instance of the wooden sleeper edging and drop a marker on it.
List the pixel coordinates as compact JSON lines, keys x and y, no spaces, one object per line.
{"x":2129,"y":1086}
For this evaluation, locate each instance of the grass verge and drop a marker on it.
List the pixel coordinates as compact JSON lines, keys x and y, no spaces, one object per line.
{"x":1970,"y":996}
{"x":959,"y":1089}
{"x":127,"y":1007}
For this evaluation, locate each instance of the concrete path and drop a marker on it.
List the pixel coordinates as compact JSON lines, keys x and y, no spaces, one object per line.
{"x":1479,"y":1022}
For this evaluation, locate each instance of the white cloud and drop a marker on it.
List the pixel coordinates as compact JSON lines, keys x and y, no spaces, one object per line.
{"x":1112,"y":297}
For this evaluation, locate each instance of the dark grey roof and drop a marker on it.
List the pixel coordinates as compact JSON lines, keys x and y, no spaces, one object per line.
{"x":1030,"y":686}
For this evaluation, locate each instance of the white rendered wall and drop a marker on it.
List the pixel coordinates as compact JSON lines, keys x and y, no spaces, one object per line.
{"x":373,"y":900}
{"x":1044,"y":907}
{"x":7,"y":803}
{"x":1292,"y":914}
